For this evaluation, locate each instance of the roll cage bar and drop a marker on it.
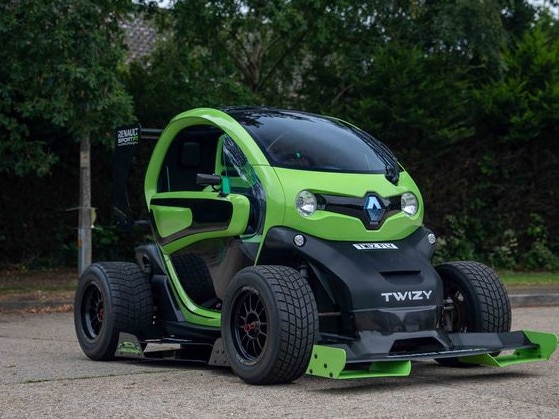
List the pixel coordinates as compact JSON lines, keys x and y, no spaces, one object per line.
{"x":127,"y":139}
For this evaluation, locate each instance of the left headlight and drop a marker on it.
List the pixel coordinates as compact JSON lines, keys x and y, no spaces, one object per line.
{"x":306,"y":203}
{"x":409,"y":204}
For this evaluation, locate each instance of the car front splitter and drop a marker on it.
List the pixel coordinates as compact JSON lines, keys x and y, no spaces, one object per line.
{"x":471,"y":348}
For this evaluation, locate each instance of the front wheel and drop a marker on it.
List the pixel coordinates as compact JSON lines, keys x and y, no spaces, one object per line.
{"x":269,"y":324}
{"x":475,"y":300}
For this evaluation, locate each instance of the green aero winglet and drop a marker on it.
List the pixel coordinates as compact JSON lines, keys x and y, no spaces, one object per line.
{"x":330,"y":362}
{"x":546,"y":345}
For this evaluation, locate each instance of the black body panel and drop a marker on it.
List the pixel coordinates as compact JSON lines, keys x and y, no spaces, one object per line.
{"x":149,"y":259}
{"x":366,"y":274}
{"x":434,"y":344}
{"x":383,"y":288}
{"x":354,"y":207}
{"x":169,"y":320}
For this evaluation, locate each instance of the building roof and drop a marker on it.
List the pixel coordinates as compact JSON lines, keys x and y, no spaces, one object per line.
{"x":140,"y":37}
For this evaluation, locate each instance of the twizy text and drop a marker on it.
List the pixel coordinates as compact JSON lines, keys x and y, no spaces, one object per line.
{"x":407,"y":295}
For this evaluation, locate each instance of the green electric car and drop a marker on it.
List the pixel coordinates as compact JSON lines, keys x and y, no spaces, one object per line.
{"x":287,"y":243}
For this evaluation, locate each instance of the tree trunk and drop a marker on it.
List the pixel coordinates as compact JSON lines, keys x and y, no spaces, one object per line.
{"x":84,"y":220}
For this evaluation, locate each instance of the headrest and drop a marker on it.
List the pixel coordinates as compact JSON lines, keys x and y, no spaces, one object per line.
{"x":190,"y":154}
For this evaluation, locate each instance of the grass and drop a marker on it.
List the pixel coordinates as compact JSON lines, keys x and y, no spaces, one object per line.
{"x":42,"y":285}
{"x":526,"y":279}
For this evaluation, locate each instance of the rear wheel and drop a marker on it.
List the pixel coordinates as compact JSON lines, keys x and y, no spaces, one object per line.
{"x":269,"y":324}
{"x":111,"y":297}
{"x":475,"y":300}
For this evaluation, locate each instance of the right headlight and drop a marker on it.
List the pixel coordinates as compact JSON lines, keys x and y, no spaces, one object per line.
{"x":409,"y":204}
{"x":306,"y":203}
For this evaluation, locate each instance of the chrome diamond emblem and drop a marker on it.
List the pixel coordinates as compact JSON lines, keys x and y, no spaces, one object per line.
{"x":373,"y":208}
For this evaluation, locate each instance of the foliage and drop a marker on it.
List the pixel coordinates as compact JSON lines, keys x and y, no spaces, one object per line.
{"x":36,"y":228}
{"x":516,"y":135}
{"x":458,"y":244}
{"x":60,"y":84}
{"x":505,"y":253}
{"x":230,"y":52}
{"x":523,"y":105}
{"x":59,"y":67}
{"x":539,"y":256}
{"x":175,"y":78}
{"x":413,"y":102}
{"x":111,"y":244}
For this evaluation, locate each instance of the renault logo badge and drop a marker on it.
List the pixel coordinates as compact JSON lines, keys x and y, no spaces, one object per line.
{"x":374,"y":209}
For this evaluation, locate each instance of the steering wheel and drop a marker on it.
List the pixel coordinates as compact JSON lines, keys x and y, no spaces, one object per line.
{"x":295,"y":159}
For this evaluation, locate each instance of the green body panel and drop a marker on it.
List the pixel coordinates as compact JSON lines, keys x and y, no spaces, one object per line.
{"x":333,"y":226}
{"x":275,"y":198}
{"x":170,"y":220}
{"x":547,"y":344}
{"x":282,"y":186}
{"x":330,"y":362}
{"x":172,"y":223}
{"x":129,"y":346}
{"x":200,"y":116}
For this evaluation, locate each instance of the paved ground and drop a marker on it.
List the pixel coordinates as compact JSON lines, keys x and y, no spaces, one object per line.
{"x":43,"y":373}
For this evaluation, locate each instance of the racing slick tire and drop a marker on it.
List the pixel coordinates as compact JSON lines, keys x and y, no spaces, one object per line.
{"x":475,"y":301}
{"x":269,"y":324}
{"x":111,"y":297}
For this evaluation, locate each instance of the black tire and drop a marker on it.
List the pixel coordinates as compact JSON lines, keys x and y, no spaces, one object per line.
{"x":475,"y":301}
{"x":269,"y":324}
{"x":111,"y":297}
{"x":194,"y":277}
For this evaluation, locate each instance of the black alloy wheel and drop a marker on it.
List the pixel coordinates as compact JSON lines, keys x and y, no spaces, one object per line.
{"x":269,"y":324}
{"x":251,"y":330}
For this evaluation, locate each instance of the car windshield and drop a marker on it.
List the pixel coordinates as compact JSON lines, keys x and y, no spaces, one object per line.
{"x":310,"y":142}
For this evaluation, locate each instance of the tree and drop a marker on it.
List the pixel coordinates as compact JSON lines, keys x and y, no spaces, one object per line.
{"x":263,"y":44}
{"x":517,"y":126}
{"x":384,"y":69}
{"x":60,"y":65}
{"x":176,"y":78}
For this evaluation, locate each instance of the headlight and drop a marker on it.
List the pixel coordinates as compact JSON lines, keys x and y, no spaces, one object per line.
{"x":306,"y":203}
{"x":409,"y":204}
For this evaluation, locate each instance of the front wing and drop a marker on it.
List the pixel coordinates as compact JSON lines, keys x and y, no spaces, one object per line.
{"x":338,"y":361}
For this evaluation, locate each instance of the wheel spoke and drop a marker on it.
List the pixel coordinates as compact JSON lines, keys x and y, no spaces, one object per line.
{"x":93,"y":312}
{"x":246,"y":306}
{"x":260,"y":342}
{"x":454,"y":310}
{"x":250,"y":325}
{"x":254,"y":302}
